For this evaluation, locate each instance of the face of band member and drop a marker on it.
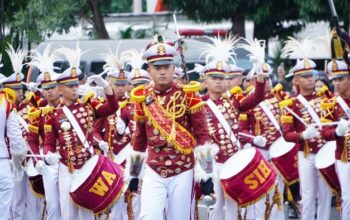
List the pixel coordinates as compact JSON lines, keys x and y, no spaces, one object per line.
{"x":215,"y":84}
{"x":318,"y":85}
{"x":162,"y":75}
{"x":69,"y":92}
{"x":247,"y":83}
{"x":341,"y":85}
{"x":51,"y":94}
{"x":232,"y":82}
{"x":19,"y":95}
{"x":118,"y":90}
{"x":305,"y":82}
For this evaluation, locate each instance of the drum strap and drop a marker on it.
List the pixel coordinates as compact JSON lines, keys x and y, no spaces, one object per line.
{"x":343,"y":105}
{"x":270,"y":115}
{"x":308,"y":107}
{"x":223,"y":122}
{"x":22,"y":122}
{"x":77,"y":128}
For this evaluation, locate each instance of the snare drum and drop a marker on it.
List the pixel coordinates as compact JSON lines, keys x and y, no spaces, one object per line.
{"x":325,"y":163}
{"x":246,"y":177}
{"x":98,"y":184}
{"x":284,"y":155}
{"x":35,"y":180}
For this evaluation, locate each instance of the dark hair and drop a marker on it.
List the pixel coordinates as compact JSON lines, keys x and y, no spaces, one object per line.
{"x":324,"y":80}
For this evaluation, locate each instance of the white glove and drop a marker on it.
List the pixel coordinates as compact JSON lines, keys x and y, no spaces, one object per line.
{"x":120,"y":126}
{"x":52,"y":158}
{"x":99,"y":81}
{"x":103,"y":145}
{"x":342,"y":127}
{"x":32,"y":86}
{"x":39,"y":166}
{"x":310,"y":132}
{"x":84,"y":89}
{"x":259,"y":141}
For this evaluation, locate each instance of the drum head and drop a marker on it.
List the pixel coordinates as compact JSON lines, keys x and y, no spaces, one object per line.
{"x":237,"y":162}
{"x":82,"y":174}
{"x":326,"y":155}
{"x":31,"y":171}
{"x":280,"y":147}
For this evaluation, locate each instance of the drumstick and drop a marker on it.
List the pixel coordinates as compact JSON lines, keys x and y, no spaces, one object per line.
{"x":296,"y":116}
{"x":246,"y":135}
{"x":35,"y":156}
{"x":325,"y":123}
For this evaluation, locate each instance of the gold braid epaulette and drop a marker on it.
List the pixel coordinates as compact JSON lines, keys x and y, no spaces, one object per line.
{"x":139,"y":93}
{"x":88,"y":96}
{"x":10,"y":95}
{"x":193,"y":86}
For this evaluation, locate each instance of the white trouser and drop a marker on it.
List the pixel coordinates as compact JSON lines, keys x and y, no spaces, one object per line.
{"x":173,"y":194}
{"x":6,"y":189}
{"x":312,"y":186}
{"x":218,"y":212}
{"x":24,"y":204}
{"x":343,"y":170}
{"x":69,"y":210}
{"x":260,"y":206}
{"x":50,"y":178}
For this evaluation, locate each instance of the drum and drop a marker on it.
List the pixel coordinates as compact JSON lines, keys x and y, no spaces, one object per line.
{"x":246,"y":177}
{"x":98,"y":184}
{"x":325,"y":163}
{"x":35,"y":180}
{"x":284,"y":156}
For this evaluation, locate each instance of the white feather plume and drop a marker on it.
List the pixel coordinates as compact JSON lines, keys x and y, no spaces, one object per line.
{"x":113,"y":62}
{"x":256,"y":54}
{"x":255,"y":49}
{"x":44,"y":62}
{"x":72,"y":55}
{"x":133,"y":57}
{"x":16,"y":57}
{"x":324,"y":42}
{"x":220,"y":50}
{"x":305,"y":48}
{"x":1,"y":65}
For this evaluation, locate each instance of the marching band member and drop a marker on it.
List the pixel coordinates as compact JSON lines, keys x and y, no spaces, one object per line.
{"x":69,"y":133}
{"x":37,"y":116}
{"x":263,"y":121}
{"x":234,"y":77}
{"x":305,"y":109}
{"x":337,"y":109}
{"x":170,"y":125}
{"x":11,"y":145}
{"x":222,"y":114}
{"x":24,"y":203}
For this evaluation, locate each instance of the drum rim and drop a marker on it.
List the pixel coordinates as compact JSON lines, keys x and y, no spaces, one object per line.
{"x":320,"y":162}
{"x":253,"y":149}
{"x":285,"y":152}
{"x":74,"y":186}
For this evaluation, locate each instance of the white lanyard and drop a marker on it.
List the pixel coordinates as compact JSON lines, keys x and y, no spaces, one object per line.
{"x":77,"y":128}
{"x":309,"y":109}
{"x":269,"y":114}
{"x":223,"y":122}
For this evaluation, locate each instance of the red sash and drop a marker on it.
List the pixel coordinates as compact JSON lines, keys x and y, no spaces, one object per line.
{"x":162,"y":120}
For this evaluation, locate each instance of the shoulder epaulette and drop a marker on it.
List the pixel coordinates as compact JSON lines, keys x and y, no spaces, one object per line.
{"x":286,"y":119}
{"x":139,"y":93}
{"x":285,"y":103}
{"x":88,"y":96}
{"x":193,"y":86}
{"x":327,"y":104}
{"x":47,"y":109}
{"x":10,"y":95}
{"x":123,"y":104}
{"x":33,"y":113}
{"x":236,"y":90}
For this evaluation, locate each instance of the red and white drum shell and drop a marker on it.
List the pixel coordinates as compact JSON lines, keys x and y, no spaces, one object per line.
{"x":246,"y":177}
{"x":284,"y":156}
{"x":325,"y":163}
{"x":98,"y":184}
